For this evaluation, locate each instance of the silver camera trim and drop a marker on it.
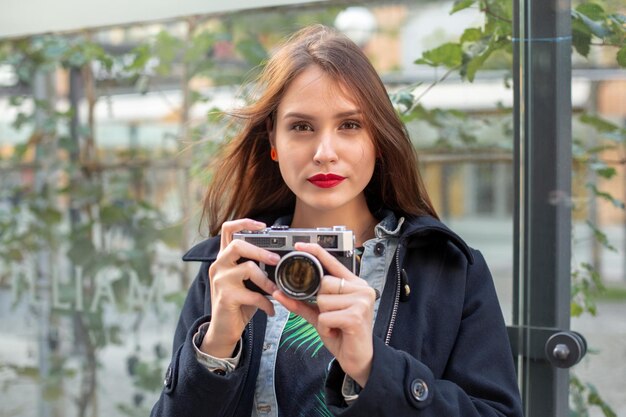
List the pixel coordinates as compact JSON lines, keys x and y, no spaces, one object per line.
{"x":345,"y":238}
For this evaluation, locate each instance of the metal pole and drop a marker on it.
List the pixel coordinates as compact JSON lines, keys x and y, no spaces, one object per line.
{"x":542,"y":76}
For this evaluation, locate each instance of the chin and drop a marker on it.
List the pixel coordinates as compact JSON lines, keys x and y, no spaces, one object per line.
{"x":325,"y":204}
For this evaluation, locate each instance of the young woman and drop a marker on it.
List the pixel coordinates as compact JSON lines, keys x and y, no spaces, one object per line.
{"x":418,"y":332}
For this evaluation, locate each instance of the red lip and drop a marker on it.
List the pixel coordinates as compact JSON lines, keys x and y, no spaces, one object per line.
{"x":326,"y":180}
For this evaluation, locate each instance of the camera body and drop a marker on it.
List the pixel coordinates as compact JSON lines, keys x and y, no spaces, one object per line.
{"x":299,"y":274}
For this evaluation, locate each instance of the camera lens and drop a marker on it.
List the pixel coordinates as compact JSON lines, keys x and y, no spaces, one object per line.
{"x":299,"y":275}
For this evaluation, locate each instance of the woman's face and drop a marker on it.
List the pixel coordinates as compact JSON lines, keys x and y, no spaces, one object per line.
{"x":325,"y":154}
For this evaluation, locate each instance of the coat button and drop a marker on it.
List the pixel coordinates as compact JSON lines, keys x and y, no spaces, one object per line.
{"x":168,"y":377}
{"x":419,"y":389}
{"x":219,"y":371}
{"x":379,"y":249}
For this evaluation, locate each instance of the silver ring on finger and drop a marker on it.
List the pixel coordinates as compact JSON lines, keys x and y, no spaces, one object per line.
{"x":343,"y":280}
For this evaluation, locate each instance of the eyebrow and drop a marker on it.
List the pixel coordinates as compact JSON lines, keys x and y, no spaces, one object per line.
{"x":341,"y":115}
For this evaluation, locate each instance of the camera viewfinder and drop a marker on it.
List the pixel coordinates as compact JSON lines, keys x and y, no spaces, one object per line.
{"x":304,"y":239}
{"x":328,"y":241}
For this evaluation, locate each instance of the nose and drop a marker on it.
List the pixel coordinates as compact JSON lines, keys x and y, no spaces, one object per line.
{"x":325,"y":153}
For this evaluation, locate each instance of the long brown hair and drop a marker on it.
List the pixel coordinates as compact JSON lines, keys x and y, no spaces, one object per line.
{"x":247,"y":183}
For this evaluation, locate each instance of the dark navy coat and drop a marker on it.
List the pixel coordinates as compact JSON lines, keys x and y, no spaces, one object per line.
{"x":440,"y":349}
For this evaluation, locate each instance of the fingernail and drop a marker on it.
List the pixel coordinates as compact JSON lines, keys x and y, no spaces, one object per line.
{"x":274,"y":257}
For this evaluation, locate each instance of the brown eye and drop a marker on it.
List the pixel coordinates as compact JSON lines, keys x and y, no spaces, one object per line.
{"x":351,"y":124}
{"x":301,"y":127}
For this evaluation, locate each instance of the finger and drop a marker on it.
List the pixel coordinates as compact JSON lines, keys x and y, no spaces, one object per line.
{"x":335,"y":296}
{"x":345,"y":320}
{"x":330,"y":302}
{"x":307,"y":311}
{"x":234,"y":226}
{"x":251,"y":271}
{"x":231,"y":278}
{"x":331,"y":264}
{"x":330,"y":324}
{"x":255,"y":299}
{"x":334,"y":286}
{"x":238,"y":249}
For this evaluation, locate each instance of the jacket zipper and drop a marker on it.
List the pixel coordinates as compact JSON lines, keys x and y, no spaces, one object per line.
{"x":250,"y":336}
{"x":396,"y":301}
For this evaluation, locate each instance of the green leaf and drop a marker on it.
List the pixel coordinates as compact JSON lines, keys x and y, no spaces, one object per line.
{"x":607,"y":196}
{"x":600,"y":236}
{"x":592,"y":11}
{"x":603,"y":170}
{"x":581,"y":39}
{"x":449,"y":55}
{"x":621,"y":56}
{"x":576,"y":309}
{"x":471,"y":35}
{"x":595,"y":27}
{"x":461,"y":4}
{"x":21,"y":120}
{"x":140,"y":57}
{"x":600,"y":124}
{"x":594,"y":275}
{"x":475,"y":63}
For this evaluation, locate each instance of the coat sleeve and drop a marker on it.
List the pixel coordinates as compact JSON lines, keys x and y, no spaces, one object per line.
{"x":478,"y":380}
{"x":189,"y":388}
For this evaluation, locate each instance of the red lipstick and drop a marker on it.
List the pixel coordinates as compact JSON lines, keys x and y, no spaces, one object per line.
{"x":326,"y":180}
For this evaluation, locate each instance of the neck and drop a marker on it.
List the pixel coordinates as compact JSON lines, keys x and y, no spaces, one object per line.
{"x":361,"y":222}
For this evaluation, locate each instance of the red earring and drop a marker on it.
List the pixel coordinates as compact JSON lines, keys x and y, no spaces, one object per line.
{"x":274,"y":154}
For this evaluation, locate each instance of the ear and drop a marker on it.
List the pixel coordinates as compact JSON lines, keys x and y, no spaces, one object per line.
{"x":271,"y":133}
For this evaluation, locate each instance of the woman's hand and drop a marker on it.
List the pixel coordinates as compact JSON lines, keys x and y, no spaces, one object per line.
{"x":232,"y":304}
{"x":342,"y":316}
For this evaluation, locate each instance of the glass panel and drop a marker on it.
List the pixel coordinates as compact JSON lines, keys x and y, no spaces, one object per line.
{"x":98,"y":204}
{"x":599,"y":224}
{"x":544,"y":287}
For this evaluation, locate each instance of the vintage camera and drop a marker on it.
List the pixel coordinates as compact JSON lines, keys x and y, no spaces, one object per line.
{"x":299,"y":274}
